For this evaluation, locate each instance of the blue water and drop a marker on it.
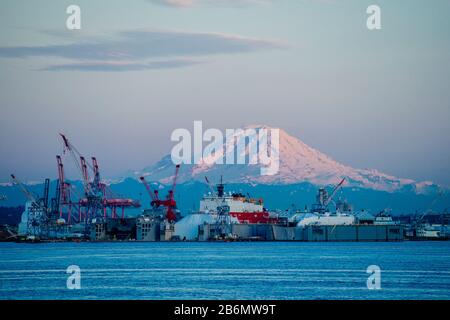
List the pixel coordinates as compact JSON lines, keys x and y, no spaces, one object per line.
{"x":258,"y":270}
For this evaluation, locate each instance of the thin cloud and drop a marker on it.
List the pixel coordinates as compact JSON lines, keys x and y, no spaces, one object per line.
{"x":121,"y":66}
{"x":140,"y":45}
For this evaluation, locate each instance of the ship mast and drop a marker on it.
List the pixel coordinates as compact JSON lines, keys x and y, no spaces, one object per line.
{"x":220,"y":188}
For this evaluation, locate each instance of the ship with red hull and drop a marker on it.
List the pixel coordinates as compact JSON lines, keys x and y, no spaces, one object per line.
{"x":239,"y":206}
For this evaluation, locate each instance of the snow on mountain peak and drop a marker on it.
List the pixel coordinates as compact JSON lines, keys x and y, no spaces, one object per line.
{"x":298,"y":163}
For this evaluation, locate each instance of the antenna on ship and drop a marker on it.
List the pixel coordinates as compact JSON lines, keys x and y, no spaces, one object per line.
{"x":220,"y":188}
{"x":209,"y":185}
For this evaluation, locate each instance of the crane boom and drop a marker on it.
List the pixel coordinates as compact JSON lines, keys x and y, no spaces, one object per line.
{"x":68,"y":146}
{"x":84,"y":169}
{"x":440,"y":193}
{"x":333,"y":193}
{"x":25,"y":191}
{"x":174,"y":183}
{"x":153,"y":194}
{"x":169,"y":202}
{"x":95,"y":166}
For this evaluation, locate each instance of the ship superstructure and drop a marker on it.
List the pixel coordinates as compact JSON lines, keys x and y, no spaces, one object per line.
{"x":322,"y":213}
{"x":384,"y":218}
{"x":242,"y":207}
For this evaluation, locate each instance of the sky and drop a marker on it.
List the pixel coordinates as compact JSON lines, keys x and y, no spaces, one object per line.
{"x":137,"y":70}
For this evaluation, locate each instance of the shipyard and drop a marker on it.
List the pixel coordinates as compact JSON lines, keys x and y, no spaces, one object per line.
{"x":99,"y":214}
{"x":224,"y":158}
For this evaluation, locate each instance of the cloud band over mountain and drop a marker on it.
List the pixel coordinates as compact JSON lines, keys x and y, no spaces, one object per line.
{"x":136,"y":47}
{"x":121,"y":66}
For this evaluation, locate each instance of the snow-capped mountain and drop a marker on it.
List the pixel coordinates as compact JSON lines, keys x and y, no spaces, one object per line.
{"x":301,"y":170}
{"x":298,"y":162}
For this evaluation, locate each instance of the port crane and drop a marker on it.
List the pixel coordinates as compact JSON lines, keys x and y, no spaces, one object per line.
{"x":155,"y":203}
{"x":324,"y":199}
{"x":170,"y":202}
{"x":438,"y":196}
{"x":28,"y":194}
{"x":38,"y":212}
{"x":64,"y":191}
{"x":97,"y":196}
{"x":90,"y":188}
{"x":333,"y":193}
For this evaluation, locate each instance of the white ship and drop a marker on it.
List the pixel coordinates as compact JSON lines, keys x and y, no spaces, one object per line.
{"x":433,"y":232}
{"x":326,"y":219}
{"x":384,"y":218}
{"x":321,"y":213}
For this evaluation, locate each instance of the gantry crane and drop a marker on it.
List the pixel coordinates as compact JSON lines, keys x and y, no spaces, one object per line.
{"x":38,"y":215}
{"x":97,"y":196}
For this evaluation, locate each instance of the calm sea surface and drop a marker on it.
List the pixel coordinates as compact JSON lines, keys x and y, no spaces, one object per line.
{"x":258,"y":270}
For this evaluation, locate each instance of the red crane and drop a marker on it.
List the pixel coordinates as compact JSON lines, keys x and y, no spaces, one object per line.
{"x":97,"y":183}
{"x":64,"y":193}
{"x":153,"y":194}
{"x":68,"y":146}
{"x":109,"y":199}
{"x":97,"y":196}
{"x":84,"y":170}
{"x":170,"y":202}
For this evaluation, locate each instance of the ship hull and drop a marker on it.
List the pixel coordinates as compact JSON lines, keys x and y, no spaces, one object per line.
{"x":254,"y":217}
